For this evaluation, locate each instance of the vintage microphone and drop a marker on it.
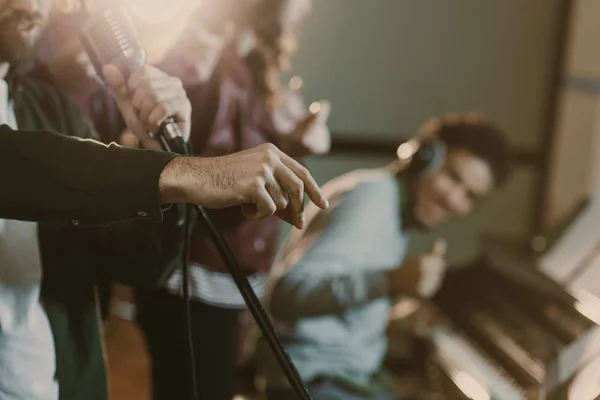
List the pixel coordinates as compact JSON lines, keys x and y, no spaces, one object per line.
{"x":109,"y":37}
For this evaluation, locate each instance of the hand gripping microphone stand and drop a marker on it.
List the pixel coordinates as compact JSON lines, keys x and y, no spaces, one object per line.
{"x":110,"y":38}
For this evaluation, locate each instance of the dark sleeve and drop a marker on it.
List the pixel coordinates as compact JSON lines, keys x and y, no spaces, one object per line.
{"x":50,"y":177}
{"x":143,"y":254}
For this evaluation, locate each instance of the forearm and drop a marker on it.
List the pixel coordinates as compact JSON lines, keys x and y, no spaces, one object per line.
{"x":80,"y":181}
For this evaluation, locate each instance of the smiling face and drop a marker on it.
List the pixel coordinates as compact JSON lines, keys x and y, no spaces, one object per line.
{"x":21,"y":22}
{"x":452,"y":190}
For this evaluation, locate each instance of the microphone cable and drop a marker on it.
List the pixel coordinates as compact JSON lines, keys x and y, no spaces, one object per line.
{"x":110,"y":37}
{"x":252,"y":301}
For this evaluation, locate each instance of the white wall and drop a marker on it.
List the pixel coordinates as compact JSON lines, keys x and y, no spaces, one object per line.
{"x":574,"y":260}
{"x":387,"y":65}
{"x":576,"y":146}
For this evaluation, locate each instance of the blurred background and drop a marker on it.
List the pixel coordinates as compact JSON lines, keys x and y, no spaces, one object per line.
{"x":518,"y":313}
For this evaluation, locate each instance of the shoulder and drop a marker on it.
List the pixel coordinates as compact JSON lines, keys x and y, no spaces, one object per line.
{"x":42,"y":91}
{"x":362,"y":198}
{"x":376,"y":185}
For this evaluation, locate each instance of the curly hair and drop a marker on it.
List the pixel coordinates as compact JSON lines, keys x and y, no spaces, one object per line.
{"x":476,"y":134}
{"x":274,"y":47}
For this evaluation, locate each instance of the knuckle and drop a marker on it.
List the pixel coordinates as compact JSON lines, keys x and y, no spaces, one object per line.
{"x":176,"y":82}
{"x":270,"y":147}
{"x":162,"y":110}
{"x":152,"y":97}
{"x":297,"y":187}
{"x":156,"y":118}
{"x":303,"y":172}
{"x":256,"y":185}
{"x":264,"y":170}
{"x":269,"y":158}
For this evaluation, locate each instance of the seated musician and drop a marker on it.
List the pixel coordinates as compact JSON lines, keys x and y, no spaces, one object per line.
{"x":333,"y":285}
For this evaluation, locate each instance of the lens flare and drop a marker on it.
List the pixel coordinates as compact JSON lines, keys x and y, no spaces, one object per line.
{"x":160,"y":11}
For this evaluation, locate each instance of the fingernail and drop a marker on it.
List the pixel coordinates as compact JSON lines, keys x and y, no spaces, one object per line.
{"x":325,"y":202}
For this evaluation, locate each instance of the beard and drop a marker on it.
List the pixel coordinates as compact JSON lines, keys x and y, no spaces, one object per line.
{"x":14,"y":48}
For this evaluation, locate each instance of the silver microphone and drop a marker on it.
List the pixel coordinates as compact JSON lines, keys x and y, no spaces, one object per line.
{"x":109,"y":37}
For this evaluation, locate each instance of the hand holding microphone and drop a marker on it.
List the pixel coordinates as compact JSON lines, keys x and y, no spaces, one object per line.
{"x":262,"y":180}
{"x":422,"y":275}
{"x":147,"y":99}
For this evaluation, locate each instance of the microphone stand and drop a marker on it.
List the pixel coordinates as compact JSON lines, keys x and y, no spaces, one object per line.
{"x":171,"y":140}
{"x":252,"y":301}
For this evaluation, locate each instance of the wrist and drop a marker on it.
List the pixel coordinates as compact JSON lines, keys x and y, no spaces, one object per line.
{"x":171,"y":183}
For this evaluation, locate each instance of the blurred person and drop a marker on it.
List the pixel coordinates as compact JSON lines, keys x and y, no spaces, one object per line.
{"x":230,"y":113}
{"x":50,"y":338}
{"x":332,"y":287}
{"x":62,"y":61}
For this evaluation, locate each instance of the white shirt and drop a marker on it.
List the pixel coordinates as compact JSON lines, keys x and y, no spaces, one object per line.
{"x":27,"y":354}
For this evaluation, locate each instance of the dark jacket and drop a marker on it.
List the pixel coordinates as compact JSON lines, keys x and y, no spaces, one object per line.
{"x":42,"y":186}
{"x":76,"y":257}
{"x":227,"y":116}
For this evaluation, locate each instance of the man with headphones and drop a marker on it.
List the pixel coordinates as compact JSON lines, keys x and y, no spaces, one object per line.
{"x":332,"y":286}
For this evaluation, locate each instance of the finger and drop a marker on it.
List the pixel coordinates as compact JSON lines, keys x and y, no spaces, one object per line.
{"x":294,"y":186}
{"x":116,"y":82}
{"x":145,"y":73}
{"x":249,"y":211}
{"x":433,"y":277}
{"x":286,"y":216}
{"x":171,"y":100}
{"x":265,"y":205}
{"x":303,"y":126}
{"x":310,"y":186}
{"x":429,"y":287}
{"x":277,"y":194}
{"x":310,"y":118}
{"x":161,"y":90}
{"x":173,"y":108}
{"x":433,"y":266}
{"x":439,"y":248}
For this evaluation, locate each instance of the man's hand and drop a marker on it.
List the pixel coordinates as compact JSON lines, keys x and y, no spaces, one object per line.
{"x":421,"y":275}
{"x":263,"y":180}
{"x":147,"y":99}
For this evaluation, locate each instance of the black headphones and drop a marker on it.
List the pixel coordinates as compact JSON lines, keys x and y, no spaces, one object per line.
{"x":424,"y":156}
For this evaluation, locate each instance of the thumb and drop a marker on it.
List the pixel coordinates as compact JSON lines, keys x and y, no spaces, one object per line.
{"x":116,"y":82}
{"x":439,"y":248}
